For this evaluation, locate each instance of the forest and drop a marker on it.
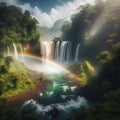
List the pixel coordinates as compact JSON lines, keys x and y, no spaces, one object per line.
{"x":17,"y":26}
{"x":103,"y":49}
{"x":97,"y":29}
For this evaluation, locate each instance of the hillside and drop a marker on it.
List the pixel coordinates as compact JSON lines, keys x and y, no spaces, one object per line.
{"x":16,"y":26}
{"x":84,"y":72}
{"x":16,"y":78}
{"x":95,"y":27}
{"x":103,"y":92}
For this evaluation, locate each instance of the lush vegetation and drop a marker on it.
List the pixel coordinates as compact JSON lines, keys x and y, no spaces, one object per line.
{"x":94,"y":27}
{"x":84,"y":72}
{"x":16,"y":26}
{"x":15,"y":78}
{"x":97,"y":27}
{"x":103,"y":91}
{"x":12,"y":82}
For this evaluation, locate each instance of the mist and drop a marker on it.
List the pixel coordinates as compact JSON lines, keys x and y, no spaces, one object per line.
{"x":92,"y":27}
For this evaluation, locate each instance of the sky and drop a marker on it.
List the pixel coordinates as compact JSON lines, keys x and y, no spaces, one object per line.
{"x":47,"y":12}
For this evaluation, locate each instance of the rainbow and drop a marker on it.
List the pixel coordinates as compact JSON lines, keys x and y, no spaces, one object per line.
{"x":57,"y":65}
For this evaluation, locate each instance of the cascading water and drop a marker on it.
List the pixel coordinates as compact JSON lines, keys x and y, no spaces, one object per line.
{"x":8,"y":51}
{"x":47,"y":49}
{"x":77,"y":52}
{"x":62,"y":94}
{"x":15,"y":51}
{"x":21,"y":51}
{"x":57,"y":102}
{"x":62,"y":51}
{"x":57,"y":51}
{"x":69,"y":51}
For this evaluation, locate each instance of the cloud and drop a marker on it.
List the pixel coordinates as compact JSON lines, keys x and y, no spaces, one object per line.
{"x":10,"y":2}
{"x":58,"y":12}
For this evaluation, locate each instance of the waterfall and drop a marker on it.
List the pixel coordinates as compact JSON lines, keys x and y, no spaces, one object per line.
{"x":15,"y":51}
{"x":21,"y":51}
{"x":65,"y":52}
{"x":61,"y":51}
{"x":69,"y":51}
{"x":77,"y":52}
{"x":47,"y":49}
{"x":8,"y":51}
{"x":57,"y":51}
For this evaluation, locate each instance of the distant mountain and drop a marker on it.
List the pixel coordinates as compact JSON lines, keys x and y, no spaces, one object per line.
{"x":59,"y":23}
{"x":49,"y":33}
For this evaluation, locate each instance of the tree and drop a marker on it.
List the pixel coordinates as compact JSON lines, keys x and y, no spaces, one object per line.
{"x":16,"y":26}
{"x":8,"y":60}
{"x":104,"y":57}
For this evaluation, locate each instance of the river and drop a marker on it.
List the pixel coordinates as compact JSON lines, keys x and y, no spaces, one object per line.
{"x":59,"y":98}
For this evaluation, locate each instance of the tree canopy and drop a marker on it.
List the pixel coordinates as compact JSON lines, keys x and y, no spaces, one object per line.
{"x":16,"y":26}
{"x":93,"y":26}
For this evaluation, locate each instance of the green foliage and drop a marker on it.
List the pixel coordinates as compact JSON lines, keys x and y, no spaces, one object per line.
{"x":89,"y":69}
{"x":14,"y":80}
{"x":56,"y":39}
{"x":8,"y":60}
{"x":104,"y":57}
{"x":82,"y":79}
{"x":84,"y":72}
{"x":16,"y":26}
{"x":107,"y":110}
{"x":103,"y":91}
{"x":29,"y":113}
{"x":116,"y":48}
{"x":93,"y":26}
{"x":6,"y":111}
{"x":81,"y":22}
{"x":11,"y":82}
{"x":14,"y":83}
{"x":5,"y":64}
{"x":81,"y":114}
